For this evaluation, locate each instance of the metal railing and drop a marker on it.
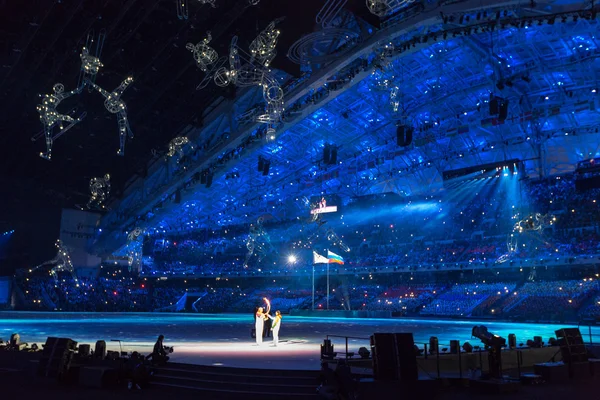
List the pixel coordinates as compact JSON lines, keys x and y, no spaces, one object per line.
{"x":346,"y":340}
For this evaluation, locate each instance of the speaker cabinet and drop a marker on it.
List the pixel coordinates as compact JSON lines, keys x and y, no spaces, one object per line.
{"x":394,"y":357}
{"x":571,"y":345}
{"x":56,"y":357}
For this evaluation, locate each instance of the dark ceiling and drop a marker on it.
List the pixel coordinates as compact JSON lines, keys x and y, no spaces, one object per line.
{"x":40,"y":43}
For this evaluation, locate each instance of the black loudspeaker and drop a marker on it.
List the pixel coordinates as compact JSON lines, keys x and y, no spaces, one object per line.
{"x":327,"y":350}
{"x":493,"y":105}
{"x":394,"y":357}
{"x":178,"y":196}
{"x":512,"y":341}
{"x":261,"y":164}
{"x":326,"y":154}
{"x":571,"y":345}
{"x":333,"y":159}
{"x":434,"y":345}
{"x":203,"y":176}
{"x":209,"y":179}
{"x":406,"y":356}
{"x":404,"y":135}
{"x":502,"y":109}
{"x":266,"y":167}
{"x":454,"y":347}
{"x":56,"y":357}
{"x":385,"y":365}
{"x":100,"y":350}
{"x":84,"y":350}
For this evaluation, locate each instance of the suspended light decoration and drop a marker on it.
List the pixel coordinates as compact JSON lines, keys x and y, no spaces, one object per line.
{"x":99,"y":192}
{"x":115,"y":105}
{"x":182,"y":9}
{"x":263,"y":46}
{"x":203,"y":53}
{"x":258,"y":242}
{"x":51,"y":118}
{"x":90,"y":65}
{"x":211,"y":2}
{"x":383,"y":8}
{"x":534,"y":223}
{"x":62,"y":262}
{"x":176,"y":146}
{"x":135,"y":240}
{"x":253,"y":72}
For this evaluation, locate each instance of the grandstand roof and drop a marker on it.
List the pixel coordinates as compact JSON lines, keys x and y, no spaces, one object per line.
{"x":433,"y":69}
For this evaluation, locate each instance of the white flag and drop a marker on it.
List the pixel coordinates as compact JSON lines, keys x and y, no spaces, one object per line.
{"x":319,"y":259}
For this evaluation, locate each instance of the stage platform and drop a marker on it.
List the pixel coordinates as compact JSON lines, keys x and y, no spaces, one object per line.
{"x":224,"y":339}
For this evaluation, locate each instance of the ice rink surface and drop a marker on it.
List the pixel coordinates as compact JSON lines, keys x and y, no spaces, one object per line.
{"x":224,"y":339}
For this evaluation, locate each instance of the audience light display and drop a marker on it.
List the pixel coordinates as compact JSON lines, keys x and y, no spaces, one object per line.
{"x":51,"y":118}
{"x":115,"y":105}
{"x":99,"y":192}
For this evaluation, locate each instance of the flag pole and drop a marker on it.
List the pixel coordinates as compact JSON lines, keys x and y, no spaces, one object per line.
{"x":328,"y":284}
{"x":313,"y":288}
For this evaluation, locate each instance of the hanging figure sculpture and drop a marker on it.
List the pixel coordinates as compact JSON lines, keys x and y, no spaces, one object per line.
{"x":62,"y":262}
{"x":135,"y":240}
{"x":203,"y":53}
{"x":263,"y":46}
{"x":90,"y":65}
{"x":115,"y":105}
{"x":99,"y":190}
{"x":176,"y":146}
{"x":51,"y":118}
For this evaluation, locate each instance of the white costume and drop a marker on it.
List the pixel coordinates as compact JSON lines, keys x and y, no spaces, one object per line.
{"x":259,"y":325}
{"x":275,"y":329}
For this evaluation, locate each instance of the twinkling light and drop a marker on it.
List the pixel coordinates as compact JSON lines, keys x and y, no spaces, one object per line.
{"x":135,"y":241}
{"x":211,"y":2}
{"x":176,"y":146}
{"x":383,"y":8}
{"x":99,"y":192}
{"x":89,"y":64}
{"x":182,"y":9}
{"x":258,"y":242}
{"x":62,"y":262}
{"x":394,"y":100}
{"x":115,"y":105}
{"x":251,"y":74}
{"x":51,"y":118}
{"x":534,"y":222}
{"x":263,"y":46}
{"x":203,"y":53}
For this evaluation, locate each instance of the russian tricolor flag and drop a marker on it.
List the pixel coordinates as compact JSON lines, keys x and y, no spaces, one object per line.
{"x":334,"y":258}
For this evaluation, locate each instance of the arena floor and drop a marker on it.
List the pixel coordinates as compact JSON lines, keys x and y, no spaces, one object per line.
{"x":225,"y":340}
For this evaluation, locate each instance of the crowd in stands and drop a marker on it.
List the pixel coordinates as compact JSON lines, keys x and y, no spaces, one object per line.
{"x":532,"y":299}
{"x":378,"y":235}
{"x":462,"y":299}
{"x":452,"y":230}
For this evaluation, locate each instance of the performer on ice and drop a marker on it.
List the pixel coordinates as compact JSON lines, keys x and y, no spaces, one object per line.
{"x":275,"y":327}
{"x":259,"y":325}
